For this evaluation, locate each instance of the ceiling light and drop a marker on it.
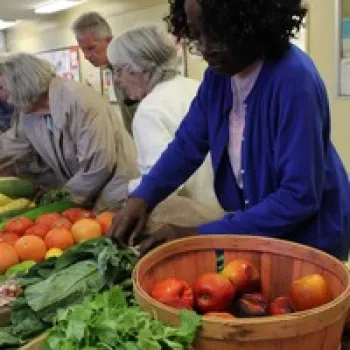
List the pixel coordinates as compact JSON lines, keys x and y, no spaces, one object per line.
{"x":56,"y":6}
{"x":7,"y":24}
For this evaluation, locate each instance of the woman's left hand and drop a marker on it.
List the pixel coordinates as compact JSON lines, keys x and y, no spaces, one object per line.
{"x":166,"y":234}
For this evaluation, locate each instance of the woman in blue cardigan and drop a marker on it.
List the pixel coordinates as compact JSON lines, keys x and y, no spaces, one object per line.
{"x":263,"y":113}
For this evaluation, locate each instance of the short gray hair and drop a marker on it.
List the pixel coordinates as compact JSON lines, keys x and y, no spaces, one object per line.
{"x":28,"y":78}
{"x":148,"y":48}
{"x":92,"y":21}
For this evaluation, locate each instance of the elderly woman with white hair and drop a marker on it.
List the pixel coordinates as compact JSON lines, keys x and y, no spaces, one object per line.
{"x":70,"y":129}
{"x":145,"y":63}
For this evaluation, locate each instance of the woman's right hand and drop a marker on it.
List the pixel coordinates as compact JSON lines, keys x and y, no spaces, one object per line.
{"x":127,"y":226}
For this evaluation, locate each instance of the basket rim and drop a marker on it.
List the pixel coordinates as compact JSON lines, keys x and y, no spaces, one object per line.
{"x":333,"y":311}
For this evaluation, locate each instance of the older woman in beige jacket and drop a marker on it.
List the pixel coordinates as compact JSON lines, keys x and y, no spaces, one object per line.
{"x":70,"y":129}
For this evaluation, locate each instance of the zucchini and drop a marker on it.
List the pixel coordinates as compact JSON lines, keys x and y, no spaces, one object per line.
{"x":14,"y":187}
{"x":33,"y":214}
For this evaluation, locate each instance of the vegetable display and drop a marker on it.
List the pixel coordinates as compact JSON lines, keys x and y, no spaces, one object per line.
{"x":85,"y":269}
{"x":34,"y":213}
{"x":107,"y":322}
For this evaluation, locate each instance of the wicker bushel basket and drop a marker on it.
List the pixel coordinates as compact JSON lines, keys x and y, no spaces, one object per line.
{"x":280,"y":263}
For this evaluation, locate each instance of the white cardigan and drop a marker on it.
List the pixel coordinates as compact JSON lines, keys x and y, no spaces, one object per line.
{"x":155,"y":122}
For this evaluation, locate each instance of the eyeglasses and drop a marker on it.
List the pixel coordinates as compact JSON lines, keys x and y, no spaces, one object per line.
{"x":117,"y":70}
{"x":197,"y":47}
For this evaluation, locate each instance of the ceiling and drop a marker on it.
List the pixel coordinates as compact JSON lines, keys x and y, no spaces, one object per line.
{"x":11,"y":10}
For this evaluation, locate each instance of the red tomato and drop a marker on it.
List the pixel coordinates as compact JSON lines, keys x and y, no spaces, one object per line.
{"x":174,"y":292}
{"x":18,"y":225}
{"x":61,"y":223}
{"x":8,"y":237}
{"x":39,"y":230}
{"x":213,"y":292}
{"x":47,"y":219}
{"x":75,"y":214}
{"x":105,"y":220}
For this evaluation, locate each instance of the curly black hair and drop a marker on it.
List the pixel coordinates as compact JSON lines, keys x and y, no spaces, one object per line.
{"x":266,"y":25}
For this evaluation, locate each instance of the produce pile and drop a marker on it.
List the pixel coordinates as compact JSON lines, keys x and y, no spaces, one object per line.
{"x":236,"y":292}
{"x":43,"y":233}
{"x":83,"y":270}
{"x":57,"y":269}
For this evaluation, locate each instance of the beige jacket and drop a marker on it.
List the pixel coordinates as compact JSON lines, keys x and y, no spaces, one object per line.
{"x":84,"y":143}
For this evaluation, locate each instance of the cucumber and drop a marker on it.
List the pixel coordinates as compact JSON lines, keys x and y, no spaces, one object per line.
{"x":14,"y":187}
{"x":33,"y":214}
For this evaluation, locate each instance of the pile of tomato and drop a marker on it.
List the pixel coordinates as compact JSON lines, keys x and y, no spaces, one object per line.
{"x":24,"y":240}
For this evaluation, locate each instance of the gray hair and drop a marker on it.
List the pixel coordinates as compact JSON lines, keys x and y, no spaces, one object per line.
{"x":148,"y":48}
{"x":92,"y":21}
{"x":28,"y":78}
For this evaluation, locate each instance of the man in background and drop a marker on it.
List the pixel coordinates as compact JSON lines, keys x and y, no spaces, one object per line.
{"x":93,"y":34}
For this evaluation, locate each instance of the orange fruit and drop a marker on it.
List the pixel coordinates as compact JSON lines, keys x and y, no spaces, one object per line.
{"x":59,"y":238}
{"x":47,"y":219}
{"x":105,"y":220}
{"x":30,"y":248}
{"x":8,"y":237}
{"x":85,"y":229}
{"x":61,"y":223}
{"x":39,"y":230}
{"x":8,"y":257}
{"x":18,"y":225}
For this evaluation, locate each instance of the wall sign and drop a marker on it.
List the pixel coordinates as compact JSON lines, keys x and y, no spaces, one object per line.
{"x":65,"y":61}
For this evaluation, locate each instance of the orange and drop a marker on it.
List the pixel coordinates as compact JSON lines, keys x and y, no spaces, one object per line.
{"x":47,"y":219}
{"x":85,"y":229}
{"x":8,"y":257}
{"x":39,"y":230}
{"x":59,"y":238}
{"x":8,"y":237}
{"x":105,"y":220}
{"x":30,"y":248}
{"x":18,"y":225}
{"x":61,"y":223}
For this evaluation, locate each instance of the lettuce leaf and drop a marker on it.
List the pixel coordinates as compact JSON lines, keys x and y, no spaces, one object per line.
{"x":107,"y":322}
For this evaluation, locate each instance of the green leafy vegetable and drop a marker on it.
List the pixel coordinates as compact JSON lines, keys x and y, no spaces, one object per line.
{"x":107,"y":322}
{"x":54,"y":195}
{"x":20,"y":269}
{"x":64,"y":288}
{"x":83,"y":270}
{"x":7,"y":340}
